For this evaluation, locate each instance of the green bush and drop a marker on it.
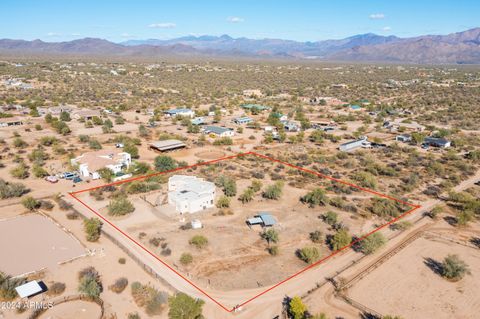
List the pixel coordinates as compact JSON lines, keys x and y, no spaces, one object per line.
{"x":182,"y":306}
{"x":273,"y":191}
{"x":341,"y":239}
{"x":93,"y":228}
{"x":372,"y":243}
{"x":120,"y":207}
{"x":186,"y":259}
{"x":314,"y":198}
{"x":199,"y":241}
{"x":309,"y":254}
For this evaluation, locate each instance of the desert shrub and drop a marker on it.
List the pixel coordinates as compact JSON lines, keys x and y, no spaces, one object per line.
{"x":141,"y":187}
{"x":308,"y":254}
{"x":365,"y":179}
{"x":39,"y":171}
{"x":182,"y":306}
{"x":164,"y":163}
{"x":223,"y":141}
{"x":147,"y":296}
{"x":372,"y":243}
{"x":89,"y":282}
{"x":314,"y":198}
{"x":94,"y":144}
{"x":341,"y":239}
{"x":270,"y":235}
{"x":247,"y":196}
{"x":296,"y":308}
{"x":56,"y":288}
{"x":199,"y":241}
{"x":186,"y":259}
{"x":30,"y":203}
{"x":119,"y":285}
{"x":454,"y":268}
{"x":20,"y":171}
{"x":223,"y":202}
{"x":122,"y":260}
{"x":63,"y":204}
{"x":273,"y":191}
{"x":120,"y":207}
{"x":73,"y":215}
{"x":331,"y":218}
{"x":46,"y":204}
{"x":228,"y":185}
{"x":7,"y":286}
{"x":384,"y":207}
{"x":316,"y":236}
{"x":97,"y":193}
{"x":9,"y":190}
{"x":93,"y":228}
{"x":133,"y":315}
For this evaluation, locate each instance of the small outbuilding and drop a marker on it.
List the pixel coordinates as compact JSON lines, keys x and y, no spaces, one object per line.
{"x":263,"y":219}
{"x":167,"y":145}
{"x":29,"y":289}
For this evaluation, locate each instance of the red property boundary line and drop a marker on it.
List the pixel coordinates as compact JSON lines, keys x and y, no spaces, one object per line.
{"x":413,"y":208}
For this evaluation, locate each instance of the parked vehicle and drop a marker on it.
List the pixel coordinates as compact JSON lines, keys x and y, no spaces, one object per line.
{"x":51,"y":179}
{"x":68,"y":175}
{"x":77,"y":179}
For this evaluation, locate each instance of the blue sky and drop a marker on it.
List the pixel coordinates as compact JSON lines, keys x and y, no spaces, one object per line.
{"x":301,"y":20}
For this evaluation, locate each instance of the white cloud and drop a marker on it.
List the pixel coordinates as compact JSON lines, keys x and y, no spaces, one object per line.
{"x":53,"y":34}
{"x":235,"y":19}
{"x":377,"y":16}
{"x":386,"y":28}
{"x":163,"y":25}
{"x":75,"y":34}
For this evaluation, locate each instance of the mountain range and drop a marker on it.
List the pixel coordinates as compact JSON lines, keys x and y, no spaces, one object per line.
{"x":455,"y":48}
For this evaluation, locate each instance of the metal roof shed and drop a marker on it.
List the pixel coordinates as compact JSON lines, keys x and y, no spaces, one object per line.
{"x":267,"y":219}
{"x":29,"y":289}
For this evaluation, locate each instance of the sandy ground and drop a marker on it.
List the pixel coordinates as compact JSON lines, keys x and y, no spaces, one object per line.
{"x":237,"y":256}
{"x":405,"y":286}
{"x":73,"y":309}
{"x":32,"y":242}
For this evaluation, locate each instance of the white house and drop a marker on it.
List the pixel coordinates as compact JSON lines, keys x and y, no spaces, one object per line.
{"x":190,"y":194}
{"x":352,"y":145}
{"x":218,"y":131}
{"x":89,"y":163}
{"x":180,"y":112}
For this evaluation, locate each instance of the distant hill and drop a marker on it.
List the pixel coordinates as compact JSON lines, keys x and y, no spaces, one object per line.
{"x":461,"y":47}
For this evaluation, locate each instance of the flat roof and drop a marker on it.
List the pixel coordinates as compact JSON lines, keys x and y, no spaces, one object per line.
{"x":28,"y":289}
{"x":267,"y":219}
{"x":216,"y":129}
{"x":167,"y":144}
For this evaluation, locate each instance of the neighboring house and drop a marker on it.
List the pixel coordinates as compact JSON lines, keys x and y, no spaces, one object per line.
{"x":190,"y":194}
{"x":437,"y":142}
{"x":257,"y":107}
{"x":410,"y":126}
{"x":242,"y":120}
{"x":55,"y":110}
{"x":89,"y":163}
{"x":10,"y":121}
{"x":198,"y":121}
{"x":180,"y":112}
{"x":86,"y":115}
{"x":403,"y":138}
{"x":352,"y":145}
{"x":218,"y":131}
{"x":281,"y":117}
{"x":167,"y":145}
{"x":291,"y":126}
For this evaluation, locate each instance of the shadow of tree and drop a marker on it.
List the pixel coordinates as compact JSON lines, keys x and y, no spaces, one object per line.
{"x":475,"y":241}
{"x":434,"y":265}
{"x":451,"y":220}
